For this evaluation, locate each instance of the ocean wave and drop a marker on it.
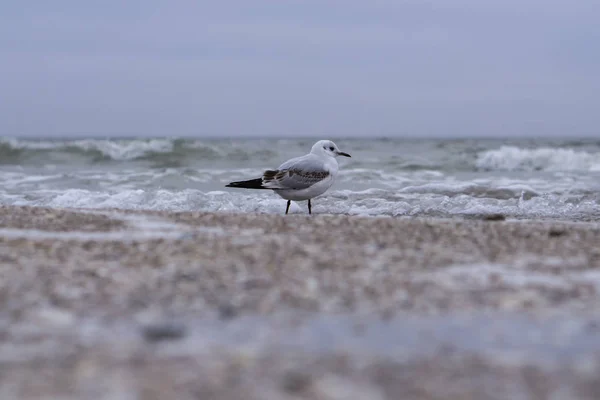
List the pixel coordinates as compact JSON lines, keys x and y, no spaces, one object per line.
{"x":510,"y":158}
{"x":166,"y":152}
{"x":95,"y":149}
{"x":365,"y":203}
{"x":474,"y":190}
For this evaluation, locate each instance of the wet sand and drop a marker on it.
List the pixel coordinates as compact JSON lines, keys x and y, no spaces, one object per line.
{"x":115,"y":304}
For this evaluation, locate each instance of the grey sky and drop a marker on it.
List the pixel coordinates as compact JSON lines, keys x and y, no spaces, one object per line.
{"x":305,"y":67}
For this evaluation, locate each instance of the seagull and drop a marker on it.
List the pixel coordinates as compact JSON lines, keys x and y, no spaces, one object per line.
{"x":301,"y":178}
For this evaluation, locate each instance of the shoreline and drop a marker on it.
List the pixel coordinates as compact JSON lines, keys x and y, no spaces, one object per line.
{"x":131,"y":302}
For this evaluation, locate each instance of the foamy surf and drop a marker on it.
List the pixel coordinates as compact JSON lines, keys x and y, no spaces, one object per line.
{"x":511,"y":158}
{"x":365,"y":203}
{"x":558,"y":180}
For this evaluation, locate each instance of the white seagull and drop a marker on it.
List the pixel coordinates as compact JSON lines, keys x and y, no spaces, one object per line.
{"x":301,"y":178}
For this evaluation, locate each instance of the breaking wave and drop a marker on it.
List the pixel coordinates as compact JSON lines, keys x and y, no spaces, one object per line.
{"x":515,"y":179}
{"x":510,"y":158}
{"x":372,"y":202}
{"x":168,"y":151}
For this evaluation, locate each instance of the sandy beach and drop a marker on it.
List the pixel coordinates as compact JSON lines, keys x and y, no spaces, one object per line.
{"x":129,"y":304}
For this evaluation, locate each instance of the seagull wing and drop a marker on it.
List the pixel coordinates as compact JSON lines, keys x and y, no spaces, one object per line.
{"x":297,"y":173}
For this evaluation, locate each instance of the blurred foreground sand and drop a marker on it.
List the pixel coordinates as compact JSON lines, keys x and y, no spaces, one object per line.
{"x":122,"y":305}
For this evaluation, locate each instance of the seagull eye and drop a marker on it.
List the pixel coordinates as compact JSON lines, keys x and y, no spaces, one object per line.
{"x":331,"y":148}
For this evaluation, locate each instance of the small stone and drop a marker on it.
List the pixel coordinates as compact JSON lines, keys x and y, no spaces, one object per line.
{"x":296,"y":382}
{"x":164,"y":331}
{"x":495,"y":217}
{"x":227,"y":311}
{"x":556,"y":232}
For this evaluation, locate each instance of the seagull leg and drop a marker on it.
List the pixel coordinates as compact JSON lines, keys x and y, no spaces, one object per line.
{"x":288,"y":207}
{"x":309,"y":207}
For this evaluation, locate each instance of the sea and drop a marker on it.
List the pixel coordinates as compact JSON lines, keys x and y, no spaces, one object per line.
{"x":517,"y":178}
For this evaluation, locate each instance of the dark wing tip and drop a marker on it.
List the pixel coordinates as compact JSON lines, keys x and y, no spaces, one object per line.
{"x":250,"y":184}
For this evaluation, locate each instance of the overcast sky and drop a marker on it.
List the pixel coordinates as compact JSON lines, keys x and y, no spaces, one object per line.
{"x":306,"y":67}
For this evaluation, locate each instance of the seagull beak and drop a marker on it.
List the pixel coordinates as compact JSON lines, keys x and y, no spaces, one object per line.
{"x":341,"y":153}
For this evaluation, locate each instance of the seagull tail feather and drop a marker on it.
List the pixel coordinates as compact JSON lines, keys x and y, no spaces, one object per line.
{"x":251,"y":184}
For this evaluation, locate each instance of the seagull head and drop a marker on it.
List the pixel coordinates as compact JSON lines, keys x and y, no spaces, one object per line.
{"x":327,"y":147}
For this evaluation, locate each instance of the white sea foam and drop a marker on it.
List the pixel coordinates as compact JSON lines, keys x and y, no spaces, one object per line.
{"x":134,"y":149}
{"x":375,"y":202}
{"x":511,"y":158}
{"x":126,"y":150}
{"x":113,"y":149}
{"x":473,"y":178}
